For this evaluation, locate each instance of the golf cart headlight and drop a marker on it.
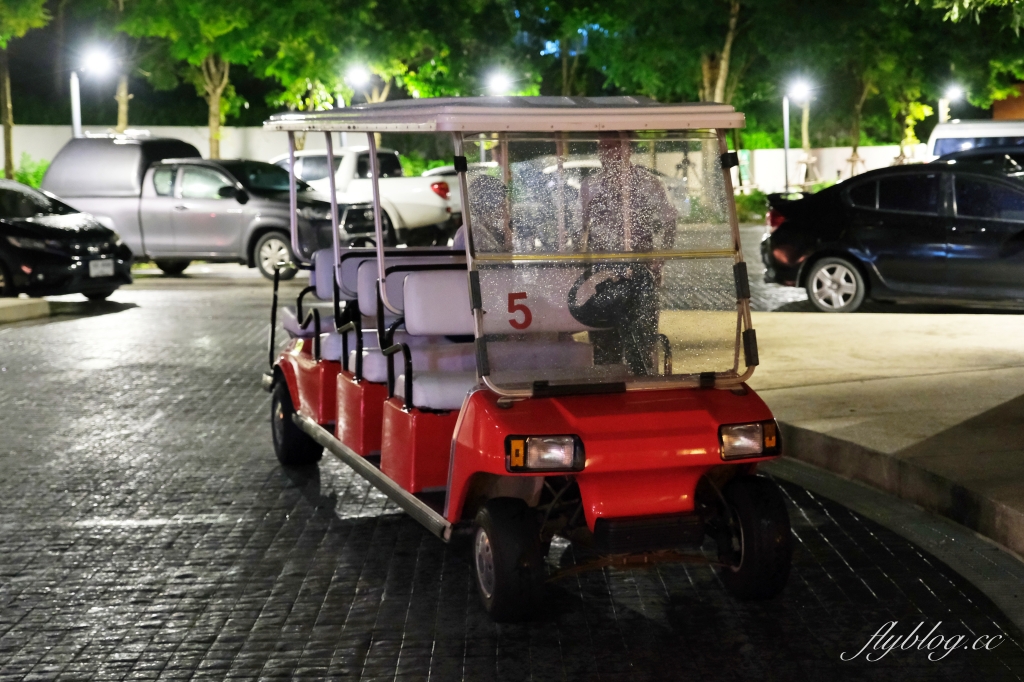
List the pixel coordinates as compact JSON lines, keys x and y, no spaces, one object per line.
{"x":748,"y":440}
{"x":544,"y":453}
{"x":315,"y":212}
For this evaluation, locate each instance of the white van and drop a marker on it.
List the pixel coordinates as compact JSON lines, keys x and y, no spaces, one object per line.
{"x":957,"y":136}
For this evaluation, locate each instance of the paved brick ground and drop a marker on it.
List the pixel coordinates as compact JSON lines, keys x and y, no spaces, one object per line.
{"x":146,"y":532}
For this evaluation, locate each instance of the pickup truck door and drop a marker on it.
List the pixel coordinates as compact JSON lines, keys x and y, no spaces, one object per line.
{"x":205,"y":223}
{"x":155,"y":211}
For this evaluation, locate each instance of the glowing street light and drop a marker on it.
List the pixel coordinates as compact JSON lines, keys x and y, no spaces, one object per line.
{"x":499,"y":83}
{"x":97,"y":62}
{"x":800,"y":91}
{"x":358,"y":76}
{"x":953,"y":93}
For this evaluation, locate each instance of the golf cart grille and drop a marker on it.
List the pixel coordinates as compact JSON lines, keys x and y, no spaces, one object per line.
{"x":647,"y":533}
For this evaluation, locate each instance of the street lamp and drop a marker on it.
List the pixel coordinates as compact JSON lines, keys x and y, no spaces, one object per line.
{"x":358,"y":76}
{"x":800,"y":91}
{"x":499,"y":83}
{"x":952,"y":94}
{"x":98,"y":63}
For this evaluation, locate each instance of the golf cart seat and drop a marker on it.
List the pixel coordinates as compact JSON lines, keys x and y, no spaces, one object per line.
{"x":320,"y":277}
{"x":437,"y":303}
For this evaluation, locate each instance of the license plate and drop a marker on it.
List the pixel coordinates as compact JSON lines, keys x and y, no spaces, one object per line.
{"x":101,"y":268}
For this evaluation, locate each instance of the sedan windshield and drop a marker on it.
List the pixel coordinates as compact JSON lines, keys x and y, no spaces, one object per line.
{"x":19,"y":201}
{"x":257,"y":176}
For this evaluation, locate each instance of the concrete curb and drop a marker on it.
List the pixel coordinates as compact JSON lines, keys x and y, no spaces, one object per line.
{"x":18,"y":309}
{"x":906,"y":480}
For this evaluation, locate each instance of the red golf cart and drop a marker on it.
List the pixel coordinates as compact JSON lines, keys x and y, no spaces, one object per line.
{"x":574,"y":365}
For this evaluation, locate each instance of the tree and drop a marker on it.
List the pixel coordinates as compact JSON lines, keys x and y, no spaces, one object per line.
{"x":208,"y":36}
{"x":17,"y":17}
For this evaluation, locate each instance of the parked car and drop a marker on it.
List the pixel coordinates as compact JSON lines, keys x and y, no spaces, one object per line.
{"x":1008,"y":160}
{"x":958,"y":136}
{"x":418,"y":207}
{"x":173,"y":207}
{"x":938,"y":232}
{"x":48,"y":248}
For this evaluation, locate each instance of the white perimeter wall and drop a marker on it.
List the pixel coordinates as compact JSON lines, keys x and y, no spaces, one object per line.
{"x":766,"y":165}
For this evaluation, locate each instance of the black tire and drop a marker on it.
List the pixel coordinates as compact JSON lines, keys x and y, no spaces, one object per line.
{"x":507,"y":559}
{"x":293,"y":447}
{"x":6,"y":283}
{"x":274,"y":248}
{"x":100,"y":295}
{"x":835,"y":285}
{"x":761,"y":554}
{"x":172,"y":267}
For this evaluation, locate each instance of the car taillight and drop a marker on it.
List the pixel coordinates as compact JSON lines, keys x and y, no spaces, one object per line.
{"x":774,"y":220}
{"x":441,"y":189}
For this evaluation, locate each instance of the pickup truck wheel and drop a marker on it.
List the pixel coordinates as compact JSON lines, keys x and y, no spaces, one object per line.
{"x":293,"y":447}
{"x":507,"y":559}
{"x":172,"y":267}
{"x":272,"y":250}
{"x":758,"y":554}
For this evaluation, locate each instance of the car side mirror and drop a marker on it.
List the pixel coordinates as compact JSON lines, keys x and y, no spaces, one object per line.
{"x":227,"y":192}
{"x":241,"y":196}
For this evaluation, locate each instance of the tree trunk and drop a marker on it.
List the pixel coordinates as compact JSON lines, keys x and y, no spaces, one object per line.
{"x":565,"y":70}
{"x":7,"y":115}
{"x":723,"y":62}
{"x":59,"y":69}
{"x":708,"y":72}
{"x":122,"y":98}
{"x":805,"y":127}
{"x":858,"y":110}
{"x":215,"y":79}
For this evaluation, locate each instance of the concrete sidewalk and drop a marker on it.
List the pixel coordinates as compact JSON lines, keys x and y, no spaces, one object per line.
{"x":19,"y":309}
{"x":929,"y":407}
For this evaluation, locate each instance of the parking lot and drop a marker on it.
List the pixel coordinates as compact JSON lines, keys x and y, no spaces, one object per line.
{"x":149,"y":533}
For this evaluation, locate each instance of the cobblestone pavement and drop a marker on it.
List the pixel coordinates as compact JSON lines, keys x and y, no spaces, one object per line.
{"x":147,"y":532}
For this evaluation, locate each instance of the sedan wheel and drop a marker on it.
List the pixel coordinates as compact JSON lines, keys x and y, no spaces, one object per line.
{"x":272,"y":251}
{"x":835,"y":286}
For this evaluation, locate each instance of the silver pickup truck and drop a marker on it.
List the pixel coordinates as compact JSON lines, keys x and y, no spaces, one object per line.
{"x":173,"y":207}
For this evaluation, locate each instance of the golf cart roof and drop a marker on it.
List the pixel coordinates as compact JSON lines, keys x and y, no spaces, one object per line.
{"x":512,"y":114}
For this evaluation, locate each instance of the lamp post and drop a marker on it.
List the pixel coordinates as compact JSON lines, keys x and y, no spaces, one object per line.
{"x":800,"y":91}
{"x":952,"y":94}
{"x":96,"y":62}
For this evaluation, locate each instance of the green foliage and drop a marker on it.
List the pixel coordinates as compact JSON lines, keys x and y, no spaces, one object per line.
{"x":30,"y":172}
{"x":18,"y":17}
{"x":751,"y":208}
{"x":414,"y":163}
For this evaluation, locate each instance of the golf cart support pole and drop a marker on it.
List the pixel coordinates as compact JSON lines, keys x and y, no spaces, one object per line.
{"x":378,"y":221}
{"x":293,"y":199}
{"x":409,"y":503}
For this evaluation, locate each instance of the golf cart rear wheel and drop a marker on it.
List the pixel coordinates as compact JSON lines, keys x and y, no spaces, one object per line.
{"x":172,"y":267}
{"x":758,"y":562}
{"x":293,"y":447}
{"x":507,"y":560}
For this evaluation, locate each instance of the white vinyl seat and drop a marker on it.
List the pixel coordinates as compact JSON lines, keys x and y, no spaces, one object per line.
{"x":437,"y":354}
{"x":321,"y":278}
{"x":438,"y":390}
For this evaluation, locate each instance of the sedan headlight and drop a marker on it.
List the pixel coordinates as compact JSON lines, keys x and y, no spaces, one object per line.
{"x":315,"y":212}
{"x":36,"y":244}
{"x":759,"y":439}
{"x":544,"y":453}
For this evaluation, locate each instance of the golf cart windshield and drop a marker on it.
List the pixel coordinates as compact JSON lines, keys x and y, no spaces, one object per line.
{"x":603,"y":258}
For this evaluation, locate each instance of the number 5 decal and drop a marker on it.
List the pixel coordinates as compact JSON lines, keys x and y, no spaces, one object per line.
{"x":514,"y":308}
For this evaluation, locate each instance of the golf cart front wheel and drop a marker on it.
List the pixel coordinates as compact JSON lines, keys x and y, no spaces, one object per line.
{"x":508,"y":563}
{"x":758,"y":561}
{"x":293,"y":447}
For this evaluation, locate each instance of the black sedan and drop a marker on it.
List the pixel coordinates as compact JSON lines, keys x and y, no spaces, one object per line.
{"x":938,"y":231}
{"x":48,"y":248}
